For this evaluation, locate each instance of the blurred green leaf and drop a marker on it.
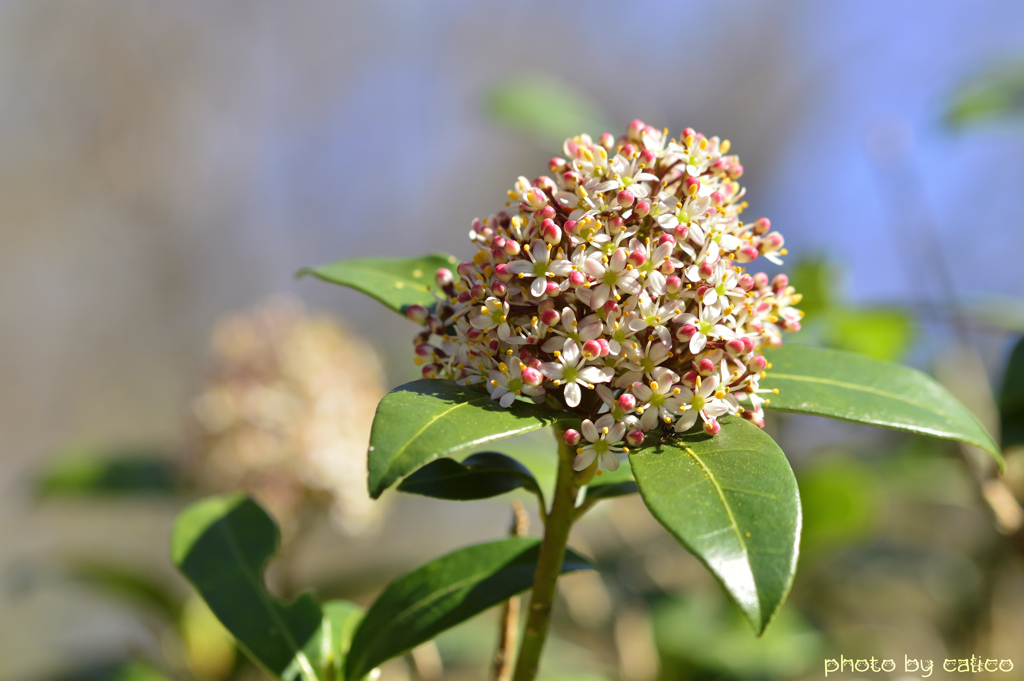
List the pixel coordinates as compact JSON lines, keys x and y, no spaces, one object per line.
{"x":398,"y":283}
{"x":852,"y":387}
{"x":545,"y":107}
{"x":480,"y":476}
{"x":113,"y":670}
{"x":997,"y":94}
{"x":1011,"y":401}
{"x":209,"y":648}
{"x":699,"y":633}
{"x":814,"y":278}
{"x":733,"y":502}
{"x":444,"y":592}
{"x":881,"y":333}
{"x":127,"y":583}
{"x":420,"y":421}
{"x":110,"y":474}
{"x":840,"y":502}
{"x":222,"y":545}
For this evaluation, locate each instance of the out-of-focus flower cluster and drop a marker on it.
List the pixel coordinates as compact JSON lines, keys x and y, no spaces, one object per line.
{"x":615,"y":287}
{"x":286,"y":415}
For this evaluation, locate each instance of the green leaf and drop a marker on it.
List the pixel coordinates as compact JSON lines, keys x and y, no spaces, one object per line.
{"x":993,"y":95}
{"x":222,"y":545}
{"x":732,"y":501}
{"x":480,"y":476}
{"x":399,"y":283}
{"x":881,"y":333}
{"x":426,"y":419}
{"x":848,"y":386}
{"x":1011,"y":401}
{"x":449,"y":590}
{"x":121,"y":473}
{"x":545,"y":107}
{"x":611,"y":484}
{"x":127,"y":583}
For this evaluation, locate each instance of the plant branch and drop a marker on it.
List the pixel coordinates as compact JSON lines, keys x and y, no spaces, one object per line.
{"x":502,"y":669}
{"x":549,"y":562}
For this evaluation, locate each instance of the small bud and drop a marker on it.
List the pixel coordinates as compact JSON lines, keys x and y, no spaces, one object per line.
{"x":643,"y":208}
{"x":628,"y":150}
{"x":556,"y":164}
{"x":717,"y":199}
{"x":444,"y":277}
{"x":648,"y":158}
{"x":547,"y":211}
{"x":571,"y":437}
{"x":634,"y":129}
{"x":494,"y":345}
{"x":757,"y":364}
{"x":755,"y":417}
{"x":762,"y":226}
{"x":689,"y":379}
{"x":550,"y":232}
{"x":465,"y":296}
{"x":746,"y":254}
{"x":772,"y":241}
{"x":735,"y":347}
{"x":465,"y":269}
{"x":577,"y":278}
{"x":666,"y":239}
{"x":502,"y":272}
{"x":673,"y":284}
{"x":607,"y":141}
{"x":512,"y":247}
{"x":535,"y":199}
{"x":591,"y":349}
{"x":746,"y":282}
{"x":624,"y":198}
{"x":532,"y":377}
{"x":478,"y":291}
{"x":424,"y":350}
{"x":704,"y":367}
{"x":569,"y":227}
{"x":688,"y":132}
{"x":748,"y":344}
{"x":680,"y":231}
{"x":499,"y":289}
{"x":626,"y":402}
{"x":611,"y":307}
{"x":780,"y":282}
{"x":605,"y":347}
{"x":685,"y":332}
{"x":546,"y":183}
{"x":550,"y":317}
{"x":417,"y":314}
{"x":692,"y":186}
{"x":430,"y":370}
{"x":760,"y":280}
{"x":570,"y":179}
{"x":705,"y":270}
{"x":551,"y":289}
{"x":636,"y":258}
{"x":473,"y":334}
{"x":534,"y":363}
{"x":635,"y":437}
{"x":712,"y":427}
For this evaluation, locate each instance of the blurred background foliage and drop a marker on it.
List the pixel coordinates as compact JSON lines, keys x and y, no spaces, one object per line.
{"x":166,"y":165}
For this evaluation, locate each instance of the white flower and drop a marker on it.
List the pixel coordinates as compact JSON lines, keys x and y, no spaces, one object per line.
{"x":703,"y":402}
{"x":570,"y":369}
{"x":613,"y":277}
{"x":540,"y":266}
{"x":493,"y":315}
{"x":506,"y":382}
{"x":602,"y":437}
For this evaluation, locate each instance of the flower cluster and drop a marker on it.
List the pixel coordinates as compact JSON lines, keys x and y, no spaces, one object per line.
{"x":615,"y":289}
{"x":286,"y":413}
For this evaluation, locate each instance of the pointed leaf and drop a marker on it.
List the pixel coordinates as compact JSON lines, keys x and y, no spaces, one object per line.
{"x":847,"y":386}
{"x":1011,"y":401}
{"x":222,"y":545}
{"x":397,"y":282}
{"x":732,"y":501}
{"x":420,"y":421}
{"x":449,"y":590}
{"x":480,"y":476}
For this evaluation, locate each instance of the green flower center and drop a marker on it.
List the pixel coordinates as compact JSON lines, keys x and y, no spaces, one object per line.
{"x":647,"y":365}
{"x":610,"y":278}
{"x":697,"y":402}
{"x":540,"y":269}
{"x":705,"y":327}
{"x":657,"y":399}
{"x":569,"y":374}
{"x":515,"y":385}
{"x":601,"y":446}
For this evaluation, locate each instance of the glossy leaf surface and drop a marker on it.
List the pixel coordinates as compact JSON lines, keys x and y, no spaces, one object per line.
{"x":480,"y":476}
{"x":1011,"y":400}
{"x":732,"y":501}
{"x":852,"y":387}
{"x":449,"y":590}
{"x":222,"y":545}
{"x":430,"y":418}
{"x":397,"y":282}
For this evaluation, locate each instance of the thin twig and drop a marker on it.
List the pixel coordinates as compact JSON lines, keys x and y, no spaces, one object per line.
{"x":503,"y":657}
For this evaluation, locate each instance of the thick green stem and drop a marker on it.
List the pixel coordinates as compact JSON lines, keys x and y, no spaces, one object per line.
{"x":549,"y":563}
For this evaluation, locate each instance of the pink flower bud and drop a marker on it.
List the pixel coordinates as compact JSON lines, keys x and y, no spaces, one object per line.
{"x":688,"y":132}
{"x":717,"y":199}
{"x":502,"y":272}
{"x":636,"y":258}
{"x":748,"y":344}
{"x":512,"y":247}
{"x":417,"y":314}
{"x":689,"y":379}
{"x":772,"y":241}
{"x":635,"y":437}
{"x":591,"y":349}
{"x":673,"y":284}
{"x":735,"y":171}
{"x":569,"y":227}
{"x":436,"y":325}
{"x":556,"y":164}
{"x":499,"y":288}
{"x":666,"y":268}
{"x":611,"y":308}
{"x":755,"y":417}
{"x":550,"y":232}
{"x":444,"y":277}
{"x":465,"y":269}
{"x":534,"y":363}
{"x":746,"y":254}
{"x":535,"y":199}
{"x":648,"y":158}
{"x":570,"y":179}
{"x":780,"y":282}
{"x":476,"y":225}
{"x":547,"y":211}
{"x":643,"y":208}
{"x":478,"y":291}
{"x":532,"y":377}
{"x":494,"y":345}
{"x":746,"y":282}
{"x":606,"y":140}
{"x":626,"y":402}
{"x":685,"y":332}
{"x":606,"y":349}
{"x":628,"y":150}
{"x":421,"y":337}
{"x":424,"y":350}
{"x":546,"y":183}
{"x":762,"y":226}
{"x":465,"y":296}
{"x":760,"y":280}
{"x":624,"y":198}
{"x":692,"y":186}
{"x":705,"y":367}
{"x":577,"y":278}
{"x":498,"y":242}
{"x":430,"y":370}
{"x":473,"y":334}
{"x":550,"y":317}
{"x":680,"y":231}
{"x":634,"y":129}
{"x":712,"y":427}
{"x":705,"y":270}
{"x":551,"y":289}
{"x":735,"y":347}
{"x":757,"y":363}
{"x":666,"y":239}
{"x":571,"y":437}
